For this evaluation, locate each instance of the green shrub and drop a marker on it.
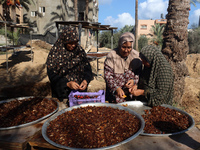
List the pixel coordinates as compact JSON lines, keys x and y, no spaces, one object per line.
{"x":194,"y":41}
{"x":143,"y":41}
{"x":11,"y":35}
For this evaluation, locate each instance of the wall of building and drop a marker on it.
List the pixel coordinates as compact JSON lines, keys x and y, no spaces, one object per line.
{"x":1,"y":11}
{"x":144,"y":28}
{"x":19,"y":14}
{"x":93,"y":14}
{"x":56,"y":11}
{"x":42,"y":14}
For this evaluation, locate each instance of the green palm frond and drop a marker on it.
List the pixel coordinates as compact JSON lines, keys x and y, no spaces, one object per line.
{"x":158,"y":29}
{"x":194,"y":2}
{"x":2,"y":1}
{"x":24,"y":3}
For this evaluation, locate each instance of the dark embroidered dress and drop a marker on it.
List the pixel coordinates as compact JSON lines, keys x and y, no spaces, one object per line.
{"x":65,"y":65}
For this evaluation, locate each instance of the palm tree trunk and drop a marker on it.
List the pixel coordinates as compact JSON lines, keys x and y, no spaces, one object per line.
{"x":175,"y":45}
{"x":136,"y":25}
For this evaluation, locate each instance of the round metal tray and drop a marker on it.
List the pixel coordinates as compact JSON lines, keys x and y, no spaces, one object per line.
{"x":92,"y":54}
{"x":46,"y":124}
{"x":29,"y":123}
{"x":139,"y":107}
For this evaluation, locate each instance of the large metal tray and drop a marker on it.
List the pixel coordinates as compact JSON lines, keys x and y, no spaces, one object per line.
{"x":29,"y":123}
{"x":139,"y":107}
{"x":46,"y":124}
{"x":92,"y":54}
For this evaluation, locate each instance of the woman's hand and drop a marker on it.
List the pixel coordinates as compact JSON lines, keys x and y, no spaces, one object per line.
{"x":83,"y":85}
{"x":73,"y":85}
{"x":136,"y":92}
{"x":120,"y":92}
{"x":130,"y":83}
{"x":134,"y":87}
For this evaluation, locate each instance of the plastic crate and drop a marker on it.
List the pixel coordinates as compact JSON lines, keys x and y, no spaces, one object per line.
{"x":77,"y":98}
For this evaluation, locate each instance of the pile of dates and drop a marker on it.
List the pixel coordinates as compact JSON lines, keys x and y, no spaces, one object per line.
{"x":92,"y":127}
{"x":18,"y":112}
{"x":163,"y":120}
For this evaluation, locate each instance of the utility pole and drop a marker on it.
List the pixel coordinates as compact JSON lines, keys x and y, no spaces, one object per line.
{"x":76,"y":9}
{"x":86,"y":10}
{"x":136,"y":25}
{"x":37,"y":17}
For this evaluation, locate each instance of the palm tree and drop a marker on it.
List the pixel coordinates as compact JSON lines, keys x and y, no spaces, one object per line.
{"x":194,"y":2}
{"x":23,"y":3}
{"x":136,"y":24}
{"x":175,"y":46}
{"x":158,"y":30}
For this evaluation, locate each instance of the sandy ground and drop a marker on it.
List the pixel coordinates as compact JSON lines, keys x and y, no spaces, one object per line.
{"x":26,"y":77}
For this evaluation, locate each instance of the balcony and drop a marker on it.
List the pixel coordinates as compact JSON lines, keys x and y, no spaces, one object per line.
{"x":161,"y":21}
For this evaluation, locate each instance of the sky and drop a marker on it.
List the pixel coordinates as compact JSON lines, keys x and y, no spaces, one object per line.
{"x":118,"y":13}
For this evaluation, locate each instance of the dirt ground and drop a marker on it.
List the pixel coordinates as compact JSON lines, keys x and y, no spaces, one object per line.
{"x":27,"y":77}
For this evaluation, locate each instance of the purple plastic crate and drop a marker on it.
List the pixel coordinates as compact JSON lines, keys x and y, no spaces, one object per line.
{"x":77,"y":98}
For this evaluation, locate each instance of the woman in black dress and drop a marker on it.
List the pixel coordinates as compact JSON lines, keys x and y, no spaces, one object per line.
{"x":67,"y":65}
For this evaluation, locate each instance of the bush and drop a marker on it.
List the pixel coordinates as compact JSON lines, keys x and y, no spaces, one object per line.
{"x":11,"y":35}
{"x":105,"y":36}
{"x":143,"y":41}
{"x":194,"y":41}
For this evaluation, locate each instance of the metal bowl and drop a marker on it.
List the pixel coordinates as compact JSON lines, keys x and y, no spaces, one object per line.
{"x":46,"y":124}
{"x":29,"y":123}
{"x":139,"y":107}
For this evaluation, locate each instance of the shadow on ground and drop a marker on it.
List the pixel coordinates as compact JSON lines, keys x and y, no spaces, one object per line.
{"x":16,"y":58}
{"x":30,"y":89}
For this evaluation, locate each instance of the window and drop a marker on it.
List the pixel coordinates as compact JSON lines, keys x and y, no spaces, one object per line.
{"x":33,"y":13}
{"x":81,"y":16}
{"x":42,"y":10}
{"x":143,"y":26}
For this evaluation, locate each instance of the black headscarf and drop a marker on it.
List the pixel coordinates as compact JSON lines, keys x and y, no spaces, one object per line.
{"x":68,"y":63}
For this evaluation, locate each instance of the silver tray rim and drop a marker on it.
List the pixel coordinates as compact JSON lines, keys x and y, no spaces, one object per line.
{"x":167,"y":106}
{"x":135,"y":103}
{"x":97,"y":53}
{"x":46,"y":124}
{"x":29,"y":123}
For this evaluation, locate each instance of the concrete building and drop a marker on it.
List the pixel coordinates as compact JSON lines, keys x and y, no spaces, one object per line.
{"x":144,"y":26}
{"x":19,"y":14}
{"x":43,"y":13}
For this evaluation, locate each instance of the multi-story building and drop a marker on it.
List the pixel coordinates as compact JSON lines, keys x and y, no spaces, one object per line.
{"x":6,"y":14}
{"x":43,"y":13}
{"x":144,"y":26}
